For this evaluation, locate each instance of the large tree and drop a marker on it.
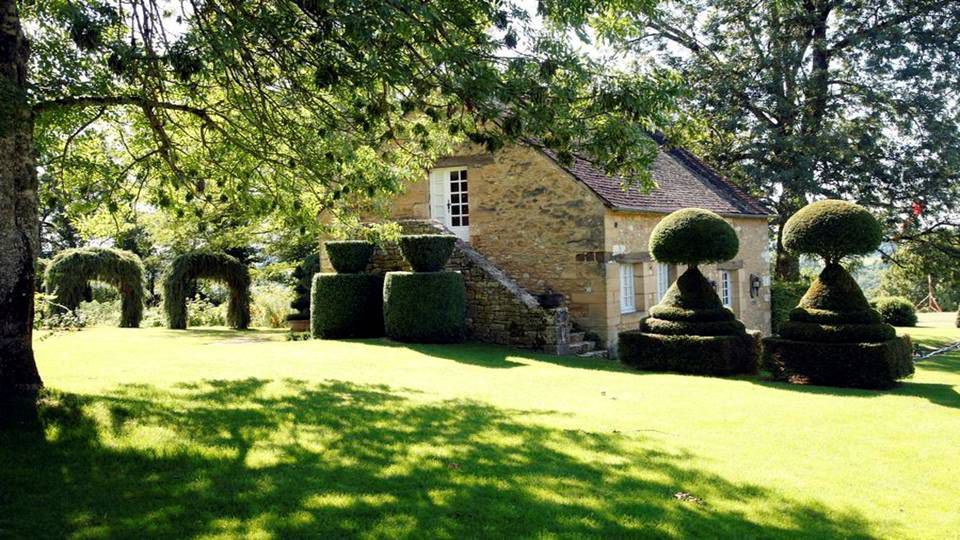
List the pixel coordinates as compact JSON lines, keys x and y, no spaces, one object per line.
{"x":802,"y":99}
{"x":221,"y":109}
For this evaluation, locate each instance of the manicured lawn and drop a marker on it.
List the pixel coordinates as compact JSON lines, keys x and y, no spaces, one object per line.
{"x":215,"y":433}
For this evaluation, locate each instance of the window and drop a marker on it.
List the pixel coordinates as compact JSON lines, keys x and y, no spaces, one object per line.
{"x":663,"y":280}
{"x":726,"y":289}
{"x":628,"y":293}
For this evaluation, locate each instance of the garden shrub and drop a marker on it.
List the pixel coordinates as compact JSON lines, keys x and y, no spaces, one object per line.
{"x":699,"y":355}
{"x":349,"y":256}
{"x":303,"y":281}
{"x":425,"y":307}
{"x":427,"y":252}
{"x":832,"y":229}
{"x":270,"y":304}
{"x":346,"y":306}
{"x":70,"y":272}
{"x":189,"y":267}
{"x":875,"y":365}
{"x":784,"y":297}
{"x":202,"y":312}
{"x":693,"y":236}
{"x":895,"y":310}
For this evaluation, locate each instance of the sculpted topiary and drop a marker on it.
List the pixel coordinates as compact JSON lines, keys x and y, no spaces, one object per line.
{"x":854,"y":346}
{"x":690,"y":330}
{"x":69,"y":273}
{"x":203,"y":264}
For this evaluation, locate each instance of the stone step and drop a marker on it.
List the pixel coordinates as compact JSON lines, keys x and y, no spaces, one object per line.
{"x":577,"y":337}
{"x":582,"y":347}
{"x":598,"y":354}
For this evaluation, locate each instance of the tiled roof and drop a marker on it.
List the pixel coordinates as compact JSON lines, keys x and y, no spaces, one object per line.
{"x":683,"y":181}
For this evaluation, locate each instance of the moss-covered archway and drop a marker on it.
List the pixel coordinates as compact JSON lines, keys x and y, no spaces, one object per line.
{"x":69,"y":273}
{"x":214,"y":265}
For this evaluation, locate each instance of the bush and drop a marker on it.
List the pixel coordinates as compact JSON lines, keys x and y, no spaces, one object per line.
{"x":271,"y":304}
{"x":653,"y":325}
{"x":858,"y":365}
{"x":895,"y":310}
{"x":427,"y":252}
{"x":693,"y":236}
{"x":202,"y":312}
{"x":784,"y":297}
{"x":70,"y":272}
{"x":834,"y":290}
{"x":97,"y":313}
{"x":832,"y":229}
{"x":425,"y":307}
{"x":349,"y":256}
{"x":837,"y":333}
{"x":188,"y":268}
{"x":699,"y":355}
{"x":346,"y":306}
{"x":303,"y":278}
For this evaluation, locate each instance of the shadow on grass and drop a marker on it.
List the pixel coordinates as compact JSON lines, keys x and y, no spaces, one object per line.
{"x":337,"y":459}
{"x":939,"y":394}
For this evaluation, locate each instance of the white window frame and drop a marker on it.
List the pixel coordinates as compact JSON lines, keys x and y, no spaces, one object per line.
{"x":663,"y":280}
{"x":628,"y":290}
{"x":726,"y":289}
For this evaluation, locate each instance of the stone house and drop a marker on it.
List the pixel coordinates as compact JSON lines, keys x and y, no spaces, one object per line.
{"x":543,"y":227}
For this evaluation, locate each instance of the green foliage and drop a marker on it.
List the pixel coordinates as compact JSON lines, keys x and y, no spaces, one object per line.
{"x":202,"y":312}
{"x":303,"y":281}
{"x":654,"y":325}
{"x":699,"y":355}
{"x":693,"y":236}
{"x":270,"y":304}
{"x":895,"y":310}
{"x":427,"y":252}
{"x":876,"y":365}
{"x":70,"y":272}
{"x":189,"y":267}
{"x":424,"y":307}
{"x":40,"y":270}
{"x":837,"y":333}
{"x":913,"y":262}
{"x":692,"y":291}
{"x":347,"y":306}
{"x":784,"y":296}
{"x":834,"y":290}
{"x":349,"y":256}
{"x":832,"y":229}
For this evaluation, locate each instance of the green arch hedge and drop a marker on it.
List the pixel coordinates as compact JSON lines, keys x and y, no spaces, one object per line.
{"x":206,"y":265}
{"x":70,"y":271}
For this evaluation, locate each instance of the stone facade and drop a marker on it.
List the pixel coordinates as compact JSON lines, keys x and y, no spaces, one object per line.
{"x":547,"y":231}
{"x":498,"y":309}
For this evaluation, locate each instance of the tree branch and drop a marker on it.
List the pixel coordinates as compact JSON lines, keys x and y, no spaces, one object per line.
{"x":108,"y":101}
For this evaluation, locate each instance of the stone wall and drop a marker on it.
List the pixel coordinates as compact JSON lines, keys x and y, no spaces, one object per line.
{"x":499,"y":310}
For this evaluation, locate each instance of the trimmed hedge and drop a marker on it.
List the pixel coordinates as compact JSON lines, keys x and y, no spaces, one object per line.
{"x":858,"y":365}
{"x":349,"y":256}
{"x":832,"y":229}
{"x":784,"y":297}
{"x":822,"y":316}
{"x":425,"y":307}
{"x":203,"y":264}
{"x":427,"y":252}
{"x":654,"y":325}
{"x":698,"y":355}
{"x":834,"y":290}
{"x":346,"y":306}
{"x":693,"y":236}
{"x":69,"y":273}
{"x":895,"y":310}
{"x":837,"y":333}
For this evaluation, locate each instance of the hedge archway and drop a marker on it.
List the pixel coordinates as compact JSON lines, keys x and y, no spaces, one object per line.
{"x":219,"y":266}
{"x":71,"y":270}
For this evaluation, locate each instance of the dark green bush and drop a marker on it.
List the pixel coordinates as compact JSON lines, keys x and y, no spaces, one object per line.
{"x":693,"y":236}
{"x":834,"y":290}
{"x":189,"y":267}
{"x":784,"y":296}
{"x":832,"y":229}
{"x":349,"y":256}
{"x":837,"y":333}
{"x":822,"y":316}
{"x":427,"y":252}
{"x":346,"y":306}
{"x":895,"y":310}
{"x":69,"y":273}
{"x":428,"y":307}
{"x":858,"y":365}
{"x":699,"y":355}
{"x":303,"y":277}
{"x":670,"y":313}
{"x":653,"y":325}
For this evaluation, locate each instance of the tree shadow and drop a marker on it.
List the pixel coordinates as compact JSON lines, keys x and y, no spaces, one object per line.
{"x":237,"y":458}
{"x":939,"y":394}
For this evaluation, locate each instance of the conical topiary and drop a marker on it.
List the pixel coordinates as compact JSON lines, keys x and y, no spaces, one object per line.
{"x":833,"y":336}
{"x":690,"y":330}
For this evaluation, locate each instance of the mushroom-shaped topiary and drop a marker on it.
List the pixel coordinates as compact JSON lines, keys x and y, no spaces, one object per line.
{"x":832,"y":229}
{"x":690,"y":330}
{"x":834,"y":336}
{"x":693,"y":236}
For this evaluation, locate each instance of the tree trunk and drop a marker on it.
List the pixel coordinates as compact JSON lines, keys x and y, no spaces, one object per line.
{"x":787,"y":266}
{"x":19,"y":225}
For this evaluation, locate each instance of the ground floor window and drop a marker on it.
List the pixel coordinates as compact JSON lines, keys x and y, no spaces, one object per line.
{"x":628,"y":292}
{"x":726,"y":289}
{"x":663,"y":280}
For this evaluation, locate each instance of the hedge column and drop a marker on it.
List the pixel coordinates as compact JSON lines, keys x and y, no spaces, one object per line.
{"x":349,"y":303}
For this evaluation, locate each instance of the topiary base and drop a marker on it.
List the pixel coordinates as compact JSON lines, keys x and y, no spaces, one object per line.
{"x":346,"y":306}
{"x":697,"y":355}
{"x":857,"y":365}
{"x":425,"y":307}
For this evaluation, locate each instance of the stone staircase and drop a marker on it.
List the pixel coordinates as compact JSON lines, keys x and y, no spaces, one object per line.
{"x":580,"y":346}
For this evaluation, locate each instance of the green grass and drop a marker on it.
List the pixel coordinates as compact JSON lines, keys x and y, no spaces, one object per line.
{"x":215,"y":433}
